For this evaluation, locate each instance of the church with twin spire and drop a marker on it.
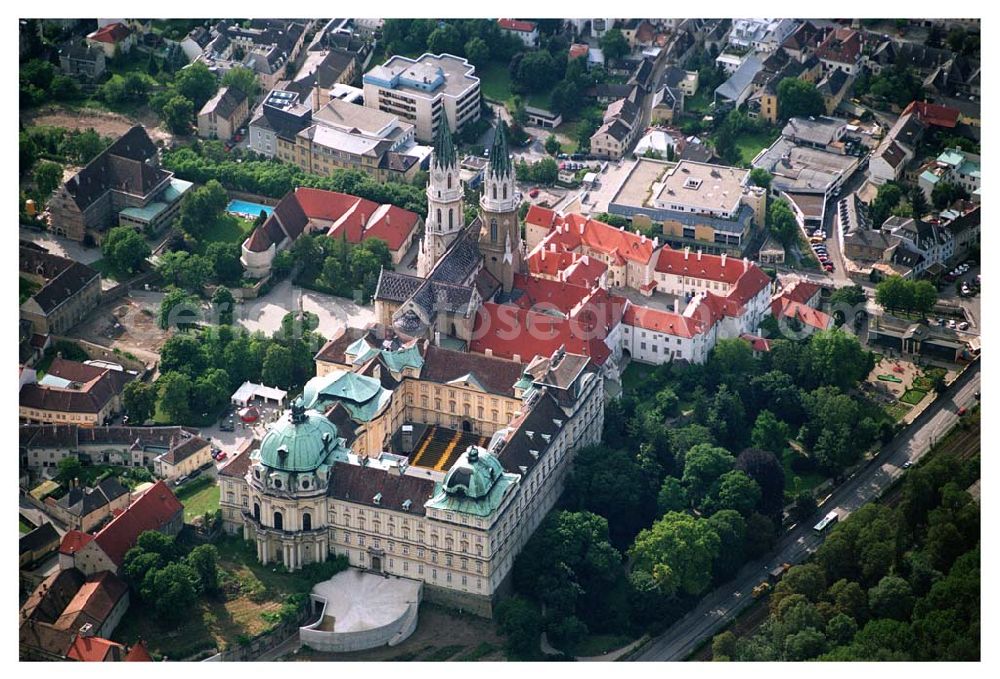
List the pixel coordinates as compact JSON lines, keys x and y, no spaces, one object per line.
{"x":459,"y":266}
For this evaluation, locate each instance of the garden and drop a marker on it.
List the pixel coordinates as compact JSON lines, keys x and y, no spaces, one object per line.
{"x":199,"y":496}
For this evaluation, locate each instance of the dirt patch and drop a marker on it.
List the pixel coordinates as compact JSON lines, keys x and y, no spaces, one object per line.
{"x":441,"y":635}
{"x":128,"y":324}
{"x":106,"y":123}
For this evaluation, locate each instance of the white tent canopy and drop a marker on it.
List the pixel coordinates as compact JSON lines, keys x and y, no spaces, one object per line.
{"x":249,"y":390}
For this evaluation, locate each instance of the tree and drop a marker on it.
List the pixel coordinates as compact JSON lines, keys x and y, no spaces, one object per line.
{"x":734,"y":490}
{"x":891,"y":598}
{"x":477,"y":52}
{"x":918,"y":203}
{"x":765,"y":468}
{"x":242,"y":79}
{"x":202,"y":207}
{"x":139,"y":399}
{"x":677,"y":551}
{"x":703,"y":465}
{"x":225,"y":259}
{"x":760,"y":177}
{"x":805,"y":644}
{"x":849,"y":295}
{"x":724,"y":646}
{"x":782,"y":223}
{"x":69,"y":469}
{"x":671,"y":497}
{"x":223,"y":303}
{"x":521,"y":623}
{"x":277,"y":366}
{"x":125,"y":249}
{"x":178,"y":111}
{"x":445,"y":40}
{"x":178,"y":309}
{"x":760,"y":535}
{"x":203,"y":560}
{"x":730,"y":526}
{"x":183,"y":353}
{"x":887,"y":197}
{"x":924,"y":296}
{"x":552,"y":145}
{"x":48,"y":176}
{"x":614,"y":45}
{"x":113,"y":90}
{"x":184,"y":270}
{"x":726,"y":417}
{"x":196,"y":83}
{"x":175,"y":396}
{"x":173,"y":591}
{"x":805,"y":506}
{"x":838,"y":358}
{"x":799,"y":99}
{"x":769,"y":433}
{"x":946,"y":193}
{"x":534,"y":71}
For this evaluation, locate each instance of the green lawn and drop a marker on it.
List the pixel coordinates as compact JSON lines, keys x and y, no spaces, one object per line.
{"x":699,"y":103}
{"x":227,"y":229}
{"x":897,"y":411}
{"x":108,"y":272}
{"x":199,"y":497}
{"x":494,"y":81}
{"x":26,"y":289}
{"x":749,"y":144}
{"x":913,"y":397}
{"x":24,"y":526}
{"x":795,"y":482}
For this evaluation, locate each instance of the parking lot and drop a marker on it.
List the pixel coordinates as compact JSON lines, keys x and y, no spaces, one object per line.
{"x":265,"y":313}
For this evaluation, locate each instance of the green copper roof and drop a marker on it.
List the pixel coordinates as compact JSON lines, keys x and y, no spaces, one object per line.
{"x":499,"y":153}
{"x":404,"y":358}
{"x":444,"y":148}
{"x":361,"y":350}
{"x":302,"y":440}
{"x":363,"y":396}
{"x":476,"y":484}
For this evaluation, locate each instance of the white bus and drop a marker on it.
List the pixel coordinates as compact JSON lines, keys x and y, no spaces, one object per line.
{"x":827,"y":521}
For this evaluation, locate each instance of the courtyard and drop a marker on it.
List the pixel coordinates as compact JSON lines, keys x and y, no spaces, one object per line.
{"x":264,"y":314}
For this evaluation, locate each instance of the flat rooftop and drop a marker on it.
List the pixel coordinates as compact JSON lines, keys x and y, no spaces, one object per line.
{"x":366,"y":120}
{"x":702,"y":186}
{"x":801,"y":168}
{"x":429,"y":75}
{"x":817,"y":130}
{"x":637,"y":188}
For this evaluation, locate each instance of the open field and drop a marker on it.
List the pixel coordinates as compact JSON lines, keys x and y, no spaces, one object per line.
{"x":198,"y":497}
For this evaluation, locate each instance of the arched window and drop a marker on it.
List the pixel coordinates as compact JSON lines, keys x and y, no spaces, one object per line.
{"x":494,"y":192}
{"x":449,"y":180}
{"x":493,"y":225}
{"x":439,"y":216}
{"x":505,"y":192}
{"x":256,"y":511}
{"x":278,"y":521}
{"x":307,"y":521}
{"x":451,"y":217}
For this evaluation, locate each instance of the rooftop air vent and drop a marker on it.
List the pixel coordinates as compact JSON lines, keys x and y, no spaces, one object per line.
{"x":377,"y":499}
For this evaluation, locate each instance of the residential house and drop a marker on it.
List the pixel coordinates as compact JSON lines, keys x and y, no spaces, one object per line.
{"x":668,"y":98}
{"x":37,"y":544}
{"x":953,"y":166}
{"x":84,"y":509}
{"x":265,"y":46}
{"x":280,"y":117}
{"x":935,"y":244}
{"x":621,"y":125}
{"x":43,"y":445}
{"x":339,"y":215}
{"x":112,"y":39}
{"x":69,"y":291}
{"x":123,"y":186}
{"x":803,"y":41}
{"x":963,"y":223}
{"x":896,"y":149}
{"x":841,"y":49}
{"x":69,"y":604}
{"x":185,"y":455}
{"x":738,"y":87}
{"x":83,"y":61}
{"x":223,"y":115}
{"x":156,"y":509}
{"x":73,"y":393}
{"x":761,"y":34}
{"x":525,"y":31}
{"x":834,"y":87}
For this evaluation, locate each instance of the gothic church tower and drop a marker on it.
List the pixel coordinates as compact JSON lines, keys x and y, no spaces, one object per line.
{"x":444,"y":202}
{"x":500,"y":238}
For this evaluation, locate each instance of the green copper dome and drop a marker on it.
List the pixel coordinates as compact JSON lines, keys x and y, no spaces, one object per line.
{"x":300,"y":441}
{"x":473,"y":474}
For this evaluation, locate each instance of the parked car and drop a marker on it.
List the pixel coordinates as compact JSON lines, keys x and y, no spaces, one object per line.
{"x":952,"y":324}
{"x":180,"y":480}
{"x":964,"y":325}
{"x":222,"y":456}
{"x":962,"y":411}
{"x":907,"y":464}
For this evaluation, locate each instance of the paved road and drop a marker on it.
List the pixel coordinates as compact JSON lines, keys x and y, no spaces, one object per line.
{"x":831,"y":225}
{"x":722,"y":605}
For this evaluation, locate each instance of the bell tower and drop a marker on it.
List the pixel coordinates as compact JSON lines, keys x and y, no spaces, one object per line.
{"x":500,"y":238}
{"x":444,"y":202}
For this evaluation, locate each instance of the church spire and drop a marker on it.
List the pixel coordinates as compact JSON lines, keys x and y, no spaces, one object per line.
{"x":499,"y":154}
{"x":444,"y":148}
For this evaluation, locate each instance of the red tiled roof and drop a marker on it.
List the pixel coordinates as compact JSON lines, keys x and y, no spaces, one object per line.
{"x":111,"y":34}
{"x":661,"y":321}
{"x":548,"y":294}
{"x":541,"y":216}
{"x":585,"y":271}
{"x":934,"y":114}
{"x":358,"y":218}
{"x":94,"y":601}
{"x":152,"y":511}
{"x":91,"y":649}
{"x":574,"y":231}
{"x":842,"y":45}
{"x":517,"y":25}
{"x":577,"y":50}
{"x":801,"y":292}
{"x":707,"y":267}
{"x":806,"y":315}
{"x":259,"y":240}
{"x":73,"y":541}
{"x":138,"y":653}
{"x":756,"y":342}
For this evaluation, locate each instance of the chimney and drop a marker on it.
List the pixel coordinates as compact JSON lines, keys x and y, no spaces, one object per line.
{"x":723,"y":260}
{"x":677,"y":305}
{"x":582,"y":224}
{"x":699,"y":255}
{"x":552,"y":247}
{"x":437,"y":338}
{"x":656,"y":242}
{"x":642,"y":238}
{"x":687,"y":251}
{"x":543,"y":254}
{"x":586,"y":260}
{"x":746,"y":264}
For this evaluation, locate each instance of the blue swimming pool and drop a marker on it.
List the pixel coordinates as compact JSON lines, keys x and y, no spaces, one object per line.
{"x":247,"y":209}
